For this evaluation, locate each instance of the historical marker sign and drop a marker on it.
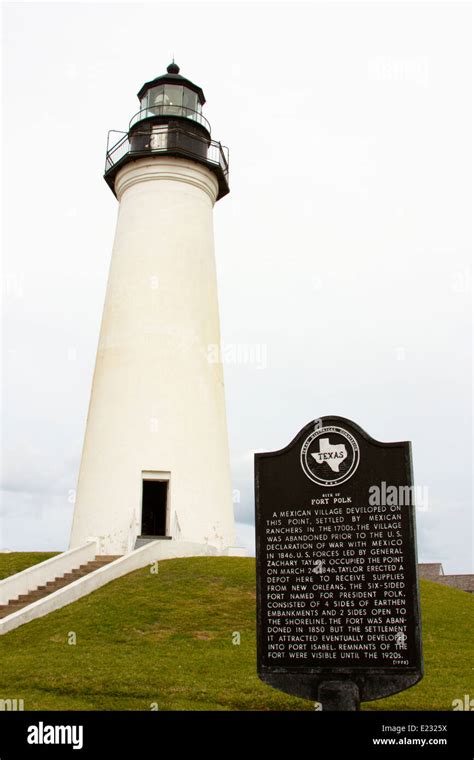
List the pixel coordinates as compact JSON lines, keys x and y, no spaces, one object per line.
{"x":337,"y":591}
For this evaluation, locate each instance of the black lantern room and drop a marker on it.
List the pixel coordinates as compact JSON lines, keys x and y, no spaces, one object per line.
{"x":169,"y":122}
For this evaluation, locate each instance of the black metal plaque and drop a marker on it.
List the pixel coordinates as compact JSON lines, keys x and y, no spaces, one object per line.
{"x":337,"y":589}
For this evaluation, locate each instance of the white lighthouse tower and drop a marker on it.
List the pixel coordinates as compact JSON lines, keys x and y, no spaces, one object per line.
{"x":155,"y":462}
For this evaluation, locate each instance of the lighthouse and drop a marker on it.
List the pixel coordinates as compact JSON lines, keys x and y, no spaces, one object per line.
{"x":155,"y":459}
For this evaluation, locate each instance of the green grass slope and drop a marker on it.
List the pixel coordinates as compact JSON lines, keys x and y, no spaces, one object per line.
{"x":15,"y":562}
{"x":165,"y":641}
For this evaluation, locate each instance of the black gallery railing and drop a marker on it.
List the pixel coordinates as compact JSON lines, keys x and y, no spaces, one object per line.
{"x":164,"y":139}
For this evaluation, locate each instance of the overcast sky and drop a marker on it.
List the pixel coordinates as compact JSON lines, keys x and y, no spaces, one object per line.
{"x":343,"y":250}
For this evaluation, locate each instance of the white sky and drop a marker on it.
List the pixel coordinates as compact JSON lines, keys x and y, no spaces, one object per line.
{"x":343,"y":250}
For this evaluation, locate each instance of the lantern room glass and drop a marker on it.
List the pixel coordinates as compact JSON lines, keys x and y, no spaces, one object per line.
{"x":191,"y":100}
{"x":171,"y":99}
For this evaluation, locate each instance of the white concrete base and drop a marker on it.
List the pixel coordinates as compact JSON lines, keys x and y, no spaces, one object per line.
{"x":146,"y":555}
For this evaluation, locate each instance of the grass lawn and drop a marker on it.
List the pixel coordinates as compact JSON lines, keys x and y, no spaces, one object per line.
{"x":165,"y":640}
{"x":15,"y":562}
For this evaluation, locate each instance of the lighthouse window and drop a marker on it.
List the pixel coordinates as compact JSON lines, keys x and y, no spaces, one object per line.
{"x":173,"y":95}
{"x":190,"y":100}
{"x":156,"y":96}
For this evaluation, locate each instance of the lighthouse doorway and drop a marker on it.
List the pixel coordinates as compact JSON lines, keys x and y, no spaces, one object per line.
{"x":154,"y":507}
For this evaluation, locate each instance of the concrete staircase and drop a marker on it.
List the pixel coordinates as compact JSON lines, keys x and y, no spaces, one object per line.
{"x":63,"y":580}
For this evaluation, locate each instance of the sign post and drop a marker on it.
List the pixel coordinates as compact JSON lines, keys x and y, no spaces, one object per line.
{"x":338,"y":615}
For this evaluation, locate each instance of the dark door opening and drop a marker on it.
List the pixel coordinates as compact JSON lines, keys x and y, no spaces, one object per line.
{"x":154,"y":499}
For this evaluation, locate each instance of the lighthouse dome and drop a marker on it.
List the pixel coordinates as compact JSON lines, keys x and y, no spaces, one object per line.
{"x":171,"y":94}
